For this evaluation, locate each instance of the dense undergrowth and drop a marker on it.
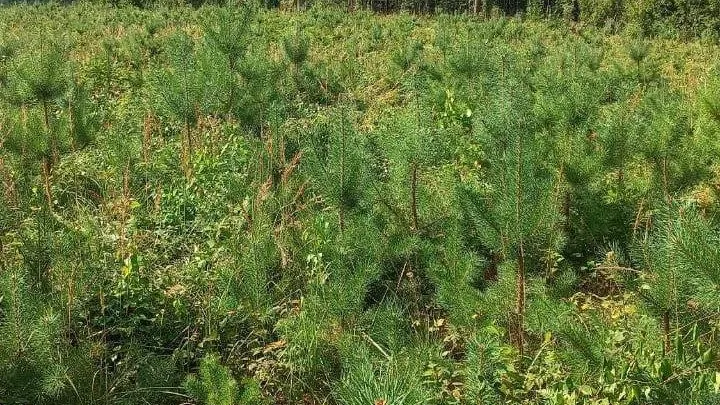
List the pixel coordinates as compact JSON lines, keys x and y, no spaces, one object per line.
{"x":238,"y":206}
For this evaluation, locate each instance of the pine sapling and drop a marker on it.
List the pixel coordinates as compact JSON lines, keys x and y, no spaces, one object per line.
{"x":296,"y":49}
{"x":230,"y":38}
{"x":182,"y":93}
{"x":39,"y":79}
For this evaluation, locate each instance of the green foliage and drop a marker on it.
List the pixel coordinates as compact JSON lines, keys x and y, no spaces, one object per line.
{"x":39,"y":77}
{"x":231,"y":34}
{"x":405,"y":57}
{"x":31,"y":355}
{"x":296,"y":48}
{"x":638,"y":51}
{"x":215,"y":385}
{"x":181,"y":89}
{"x":371,"y":210}
{"x":394,"y":382}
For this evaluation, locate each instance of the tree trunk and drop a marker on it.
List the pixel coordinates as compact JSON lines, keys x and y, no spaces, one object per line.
{"x":666,"y":332}
{"x":71,"y":121}
{"x":46,"y":168}
{"x":520,"y":301}
{"x":576,"y":11}
{"x":125,"y":210}
{"x":2,"y":256}
{"x":341,"y":208}
{"x":53,"y":140}
{"x":70,"y":301}
{"x":188,"y":151}
{"x":520,"y":275}
{"x":491,"y":271}
{"x":46,"y":115}
{"x":413,"y":196}
{"x":188,"y":135}
{"x":666,"y":186}
{"x":567,"y":201}
{"x":147,"y":138}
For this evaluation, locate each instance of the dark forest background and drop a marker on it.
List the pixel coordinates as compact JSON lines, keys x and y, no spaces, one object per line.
{"x":681,"y":19}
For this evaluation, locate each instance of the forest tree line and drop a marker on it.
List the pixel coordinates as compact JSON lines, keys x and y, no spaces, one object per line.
{"x":682,"y":19}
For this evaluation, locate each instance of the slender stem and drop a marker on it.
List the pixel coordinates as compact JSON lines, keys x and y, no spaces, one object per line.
{"x":46,"y":115}
{"x":70,"y":300}
{"x":520,"y":299}
{"x":566,"y":199}
{"x":341,"y":216}
{"x":413,"y":196}
{"x":188,"y":135}
{"x":71,"y":119}
{"x":636,"y":224}
{"x":187,"y":150}
{"x":520,"y":276}
{"x":666,"y":331}
{"x":17,"y":317}
{"x":125,"y":209}
{"x":51,"y":135}
{"x":567,"y":203}
{"x":46,"y":170}
{"x":231,"y":96}
{"x":666,"y":187}
{"x":147,"y":137}
{"x":2,"y":256}
{"x":491,"y":271}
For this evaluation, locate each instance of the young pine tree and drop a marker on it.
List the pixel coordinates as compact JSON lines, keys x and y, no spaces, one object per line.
{"x":229,"y":36}
{"x":513,"y":213}
{"x":50,"y":116}
{"x":215,"y":385}
{"x":181,"y":92}
{"x":336,"y":164}
{"x":680,"y":278}
{"x":296,"y":49}
{"x":31,"y":370}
